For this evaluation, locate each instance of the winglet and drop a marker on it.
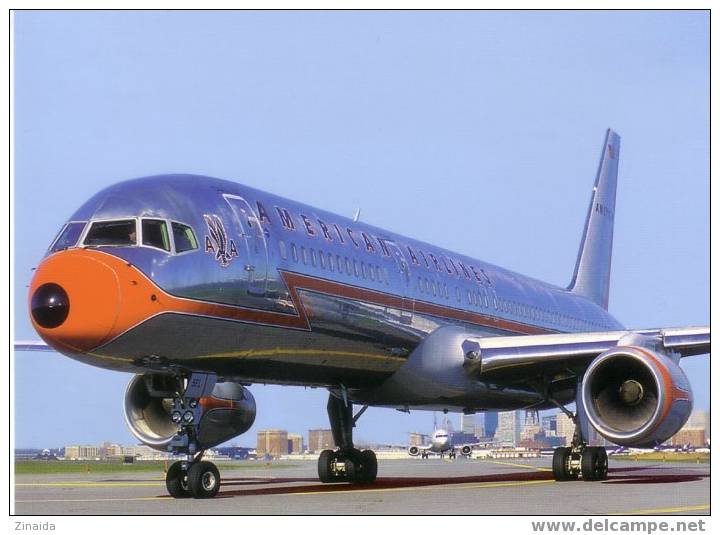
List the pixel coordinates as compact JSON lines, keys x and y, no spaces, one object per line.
{"x":591,"y":278}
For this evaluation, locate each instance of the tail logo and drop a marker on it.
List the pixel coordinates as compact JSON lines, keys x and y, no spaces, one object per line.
{"x":216,"y":241}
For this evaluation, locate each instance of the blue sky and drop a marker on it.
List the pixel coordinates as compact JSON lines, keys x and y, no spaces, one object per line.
{"x":476,"y":131}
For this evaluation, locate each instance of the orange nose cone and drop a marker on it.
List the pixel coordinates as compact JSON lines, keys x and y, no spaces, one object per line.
{"x":74,"y":300}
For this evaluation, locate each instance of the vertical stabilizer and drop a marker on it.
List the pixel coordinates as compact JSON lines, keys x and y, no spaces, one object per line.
{"x":592,"y":269}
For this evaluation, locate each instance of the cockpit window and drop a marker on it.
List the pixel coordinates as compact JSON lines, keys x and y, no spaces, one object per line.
{"x":155,"y":234}
{"x":68,"y":236}
{"x":117,"y":233}
{"x":184,"y":238}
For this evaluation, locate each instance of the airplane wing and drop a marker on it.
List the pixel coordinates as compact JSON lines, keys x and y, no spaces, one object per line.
{"x":506,"y":357}
{"x":31,"y":345}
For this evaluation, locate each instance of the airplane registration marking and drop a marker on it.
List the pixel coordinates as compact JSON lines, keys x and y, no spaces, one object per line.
{"x":664,"y":510}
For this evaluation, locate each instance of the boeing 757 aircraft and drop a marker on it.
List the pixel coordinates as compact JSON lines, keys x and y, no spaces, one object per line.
{"x":201,"y":287}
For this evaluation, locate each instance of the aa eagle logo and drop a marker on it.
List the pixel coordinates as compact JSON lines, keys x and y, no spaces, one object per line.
{"x":216,"y":241}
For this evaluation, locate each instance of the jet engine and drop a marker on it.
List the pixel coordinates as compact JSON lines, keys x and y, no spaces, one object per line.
{"x":635,"y":396}
{"x":466,"y":450}
{"x":414,"y":451}
{"x":228,"y":412}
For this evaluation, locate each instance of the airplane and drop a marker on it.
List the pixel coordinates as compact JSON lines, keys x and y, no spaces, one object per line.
{"x":441,"y":442}
{"x":201,"y":287}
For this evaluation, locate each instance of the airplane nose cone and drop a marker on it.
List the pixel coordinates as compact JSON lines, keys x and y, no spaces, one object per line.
{"x":74,"y":300}
{"x":50,"y":305}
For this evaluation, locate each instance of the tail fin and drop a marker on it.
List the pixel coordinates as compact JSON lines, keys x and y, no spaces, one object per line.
{"x":592,"y":269}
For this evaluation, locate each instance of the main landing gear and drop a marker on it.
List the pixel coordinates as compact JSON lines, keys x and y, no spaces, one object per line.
{"x":346,"y":463}
{"x":192,"y":477}
{"x":579,"y":459}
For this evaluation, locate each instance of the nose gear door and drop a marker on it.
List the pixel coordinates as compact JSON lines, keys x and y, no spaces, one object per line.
{"x":255,"y":264}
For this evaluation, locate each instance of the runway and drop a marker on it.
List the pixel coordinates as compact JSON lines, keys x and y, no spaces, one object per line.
{"x":412,"y":486}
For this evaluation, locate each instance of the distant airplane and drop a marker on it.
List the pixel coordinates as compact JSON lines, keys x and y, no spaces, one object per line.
{"x":441,"y":443}
{"x":202,"y":287}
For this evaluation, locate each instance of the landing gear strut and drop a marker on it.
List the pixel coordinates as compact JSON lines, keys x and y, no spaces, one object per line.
{"x":192,"y":477}
{"x":346,"y":463}
{"x":579,"y":459}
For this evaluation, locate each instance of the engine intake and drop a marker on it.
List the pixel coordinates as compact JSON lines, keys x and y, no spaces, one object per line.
{"x":228,"y":412}
{"x":634,"y":396}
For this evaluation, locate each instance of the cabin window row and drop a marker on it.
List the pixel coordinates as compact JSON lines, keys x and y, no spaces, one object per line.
{"x":333,"y":263}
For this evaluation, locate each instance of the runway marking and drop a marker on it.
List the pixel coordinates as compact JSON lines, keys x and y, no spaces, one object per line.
{"x":403,"y":489}
{"x":92,"y":484}
{"x":518,"y":465}
{"x":63,"y":500}
{"x":419,"y":488}
{"x":665,"y":510}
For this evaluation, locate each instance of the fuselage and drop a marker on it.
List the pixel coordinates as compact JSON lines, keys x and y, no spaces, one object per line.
{"x":229,"y":279}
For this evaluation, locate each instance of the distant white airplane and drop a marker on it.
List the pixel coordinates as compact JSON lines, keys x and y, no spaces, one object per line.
{"x":441,"y":443}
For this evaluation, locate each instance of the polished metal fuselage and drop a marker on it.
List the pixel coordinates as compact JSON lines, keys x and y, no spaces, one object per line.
{"x":343,"y":303}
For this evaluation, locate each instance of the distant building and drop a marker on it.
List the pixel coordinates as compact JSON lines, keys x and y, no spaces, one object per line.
{"x":110,"y":450}
{"x":320,"y":439}
{"x":145,"y":453}
{"x":77,"y":453}
{"x":531,"y":425}
{"x":490,"y":420}
{"x":295,"y":443}
{"x":509,"y":426}
{"x":417,"y":439}
{"x":565,"y":427}
{"x":468,"y":424}
{"x":692,"y":437}
{"x":695,"y":432}
{"x":272,"y":442}
{"x":549,"y":425}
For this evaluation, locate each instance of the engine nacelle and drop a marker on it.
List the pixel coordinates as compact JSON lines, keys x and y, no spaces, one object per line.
{"x":228,"y":412}
{"x":466,"y":450}
{"x":414,"y":451}
{"x":635,"y":396}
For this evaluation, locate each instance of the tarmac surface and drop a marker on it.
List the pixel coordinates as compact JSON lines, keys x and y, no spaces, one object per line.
{"x":405,"y":487}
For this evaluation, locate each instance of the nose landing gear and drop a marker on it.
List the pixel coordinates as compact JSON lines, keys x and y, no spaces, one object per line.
{"x":192,"y":477}
{"x":347,"y":463}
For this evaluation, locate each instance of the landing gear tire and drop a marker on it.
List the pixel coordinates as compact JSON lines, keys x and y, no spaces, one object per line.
{"x":369,"y":466}
{"x":203,"y":479}
{"x":176,"y":481}
{"x":325,"y":472}
{"x":594,"y":464}
{"x":561,"y":465}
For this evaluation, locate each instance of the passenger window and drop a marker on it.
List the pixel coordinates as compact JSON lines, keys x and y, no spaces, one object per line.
{"x":348,"y":268}
{"x":68,"y":236}
{"x":293,"y":251}
{"x":155,"y":234}
{"x":322,"y":259}
{"x":363,"y":270}
{"x":355,"y":268}
{"x":330,"y":262}
{"x":283,"y":250}
{"x":312,"y":257}
{"x":303,"y":255}
{"x":184,"y":237}
{"x":113,"y":233}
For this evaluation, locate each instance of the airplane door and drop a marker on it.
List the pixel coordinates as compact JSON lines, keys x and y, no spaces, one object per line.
{"x":256,"y":261}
